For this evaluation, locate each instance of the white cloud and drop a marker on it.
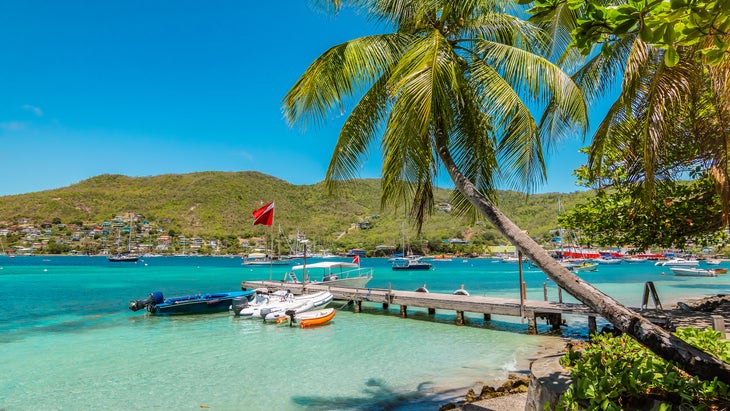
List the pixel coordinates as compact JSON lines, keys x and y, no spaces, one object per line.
{"x":12,"y":126}
{"x":33,"y":109}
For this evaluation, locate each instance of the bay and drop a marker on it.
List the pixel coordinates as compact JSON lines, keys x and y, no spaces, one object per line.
{"x":69,"y":342}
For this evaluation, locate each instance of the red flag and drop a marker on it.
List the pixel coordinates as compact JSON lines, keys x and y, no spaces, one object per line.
{"x":264,"y":215}
{"x":356,"y":260}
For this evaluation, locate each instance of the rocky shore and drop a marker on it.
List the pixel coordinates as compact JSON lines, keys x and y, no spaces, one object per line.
{"x":512,"y":394}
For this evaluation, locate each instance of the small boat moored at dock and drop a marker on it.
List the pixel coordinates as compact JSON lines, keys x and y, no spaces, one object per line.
{"x":334,"y":273}
{"x":272,"y":307}
{"x":157,"y":304}
{"x":308,"y":318}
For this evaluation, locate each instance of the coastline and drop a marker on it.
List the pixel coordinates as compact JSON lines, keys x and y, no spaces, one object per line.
{"x":695,"y":312}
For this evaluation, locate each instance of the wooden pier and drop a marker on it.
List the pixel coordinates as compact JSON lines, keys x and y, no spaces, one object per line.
{"x":530,"y":309}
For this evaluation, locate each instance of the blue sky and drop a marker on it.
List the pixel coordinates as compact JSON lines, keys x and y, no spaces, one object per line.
{"x":149,"y":87}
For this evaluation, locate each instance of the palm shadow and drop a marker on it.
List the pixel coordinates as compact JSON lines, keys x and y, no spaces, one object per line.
{"x":378,"y":396}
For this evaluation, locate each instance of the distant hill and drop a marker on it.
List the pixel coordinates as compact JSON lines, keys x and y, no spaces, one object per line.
{"x":219,"y":204}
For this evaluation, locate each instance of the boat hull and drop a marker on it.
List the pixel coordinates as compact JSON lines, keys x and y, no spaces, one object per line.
{"x":693,"y":272}
{"x":120,"y":258}
{"x":192,"y":304}
{"x":412,"y":267}
{"x":314,"y":318}
{"x":274,"y":306}
{"x":678,"y":262}
{"x":584,"y":268}
{"x":354,"y":282}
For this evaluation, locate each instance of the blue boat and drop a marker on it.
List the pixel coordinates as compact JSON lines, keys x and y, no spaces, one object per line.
{"x":191,"y":304}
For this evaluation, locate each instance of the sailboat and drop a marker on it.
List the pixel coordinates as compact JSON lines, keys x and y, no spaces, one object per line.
{"x":125,"y":257}
{"x":408,"y":261}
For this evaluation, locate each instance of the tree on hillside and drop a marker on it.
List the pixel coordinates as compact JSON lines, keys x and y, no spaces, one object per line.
{"x":454,"y":85}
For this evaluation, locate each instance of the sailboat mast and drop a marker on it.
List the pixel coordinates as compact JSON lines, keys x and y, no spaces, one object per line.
{"x":403,"y":238}
{"x":129,"y":242}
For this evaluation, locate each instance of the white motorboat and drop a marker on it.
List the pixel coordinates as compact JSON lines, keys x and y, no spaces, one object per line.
{"x":279,"y":301}
{"x":693,"y":272}
{"x":334,"y":273}
{"x":678,"y":262}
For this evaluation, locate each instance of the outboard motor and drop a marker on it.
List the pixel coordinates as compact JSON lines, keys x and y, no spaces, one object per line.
{"x":238,"y":304}
{"x":154,"y":298}
{"x":291,"y":314}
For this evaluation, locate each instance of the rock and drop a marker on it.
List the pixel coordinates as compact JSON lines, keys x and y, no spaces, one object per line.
{"x":515,"y":384}
{"x":708,"y":304}
{"x":447,"y":407}
{"x":471,"y":396}
{"x":487,"y":392}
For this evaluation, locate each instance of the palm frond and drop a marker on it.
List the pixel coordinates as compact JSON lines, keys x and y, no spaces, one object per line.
{"x":527,"y":76}
{"x":341,"y":72}
{"x":419,"y":96}
{"x":359,"y":130}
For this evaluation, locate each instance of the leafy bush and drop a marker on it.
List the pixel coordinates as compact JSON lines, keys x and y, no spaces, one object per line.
{"x":615,"y":373}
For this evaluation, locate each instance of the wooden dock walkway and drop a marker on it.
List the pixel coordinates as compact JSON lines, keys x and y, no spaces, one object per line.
{"x":530,"y":309}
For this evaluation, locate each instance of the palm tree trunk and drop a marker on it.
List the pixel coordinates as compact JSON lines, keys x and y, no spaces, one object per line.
{"x":661,"y":342}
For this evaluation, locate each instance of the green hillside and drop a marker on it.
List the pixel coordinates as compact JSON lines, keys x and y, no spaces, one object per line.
{"x":219,"y":205}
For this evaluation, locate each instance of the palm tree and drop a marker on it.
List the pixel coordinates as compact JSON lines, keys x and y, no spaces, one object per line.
{"x":455,"y":85}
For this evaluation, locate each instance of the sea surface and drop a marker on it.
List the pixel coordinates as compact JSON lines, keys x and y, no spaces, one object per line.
{"x":69,"y":342}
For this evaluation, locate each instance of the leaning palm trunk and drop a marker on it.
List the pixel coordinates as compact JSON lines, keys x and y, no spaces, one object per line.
{"x":658,"y":340}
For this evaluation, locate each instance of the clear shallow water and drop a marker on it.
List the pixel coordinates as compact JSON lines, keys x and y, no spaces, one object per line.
{"x":68,"y":341}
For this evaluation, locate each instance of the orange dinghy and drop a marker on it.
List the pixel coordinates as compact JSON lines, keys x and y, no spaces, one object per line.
{"x":311,"y":318}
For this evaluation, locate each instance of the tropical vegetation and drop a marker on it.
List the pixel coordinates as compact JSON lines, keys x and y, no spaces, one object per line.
{"x":616,"y":373}
{"x":453,"y":87}
{"x":687,"y":215}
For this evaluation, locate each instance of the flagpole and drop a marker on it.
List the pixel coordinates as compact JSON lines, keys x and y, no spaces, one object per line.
{"x":271,"y":259}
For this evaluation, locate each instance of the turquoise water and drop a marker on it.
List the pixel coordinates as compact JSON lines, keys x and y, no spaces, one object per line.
{"x":68,"y":341}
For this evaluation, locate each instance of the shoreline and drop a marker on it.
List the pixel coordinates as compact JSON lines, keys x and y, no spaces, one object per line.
{"x":696,"y":313}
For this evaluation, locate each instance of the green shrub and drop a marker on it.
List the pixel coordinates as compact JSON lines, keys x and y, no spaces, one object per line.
{"x":617,"y":373}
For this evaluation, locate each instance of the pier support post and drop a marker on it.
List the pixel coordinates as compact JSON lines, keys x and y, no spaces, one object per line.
{"x":385,"y":306}
{"x":403,"y":312}
{"x":358,"y":306}
{"x":592,"y":328}
{"x":431,"y":311}
{"x":555,"y":320}
{"x":718,"y":324}
{"x":531,"y":324}
{"x":487,"y":317}
{"x":459,"y":318}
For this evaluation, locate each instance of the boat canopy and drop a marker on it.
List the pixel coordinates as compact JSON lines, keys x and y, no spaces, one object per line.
{"x":329,"y":265}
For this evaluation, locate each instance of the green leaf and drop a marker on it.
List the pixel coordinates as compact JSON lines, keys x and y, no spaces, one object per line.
{"x":646,"y":34}
{"x":624,"y":27}
{"x":669,"y":34}
{"x":671,"y":57}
